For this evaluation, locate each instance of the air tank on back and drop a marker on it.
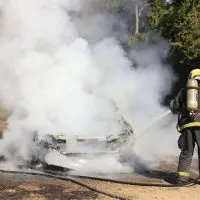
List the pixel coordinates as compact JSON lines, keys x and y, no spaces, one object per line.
{"x":192,"y":94}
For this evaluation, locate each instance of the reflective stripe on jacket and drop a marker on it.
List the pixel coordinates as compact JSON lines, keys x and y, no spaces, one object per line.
{"x":185,"y":119}
{"x":188,"y":125}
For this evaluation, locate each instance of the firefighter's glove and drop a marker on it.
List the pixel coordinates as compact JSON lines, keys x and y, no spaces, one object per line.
{"x":171,"y":105}
{"x":174,"y":107}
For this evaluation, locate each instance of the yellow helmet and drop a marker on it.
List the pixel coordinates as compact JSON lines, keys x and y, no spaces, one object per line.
{"x":195,"y":73}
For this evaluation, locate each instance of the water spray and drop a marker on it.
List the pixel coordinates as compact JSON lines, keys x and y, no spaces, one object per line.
{"x":154,"y":122}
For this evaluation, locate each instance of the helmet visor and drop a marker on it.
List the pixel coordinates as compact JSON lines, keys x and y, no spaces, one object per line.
{"x":197,"y":78}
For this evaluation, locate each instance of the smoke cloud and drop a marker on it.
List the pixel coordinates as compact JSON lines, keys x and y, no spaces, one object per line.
{"x":62,"y":67}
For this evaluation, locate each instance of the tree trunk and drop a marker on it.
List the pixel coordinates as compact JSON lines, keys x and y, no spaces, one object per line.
{"x":136,"y":19}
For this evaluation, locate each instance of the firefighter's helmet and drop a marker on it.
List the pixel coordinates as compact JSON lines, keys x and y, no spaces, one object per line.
{"x":194,"y":74}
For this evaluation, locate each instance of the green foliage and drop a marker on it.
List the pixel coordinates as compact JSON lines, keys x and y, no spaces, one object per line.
{"x":111,"y":5}
{"x":186,"y":31}
{"x":179,"y":22}
{"x":158,"y":11}
{"x":138,"y":38}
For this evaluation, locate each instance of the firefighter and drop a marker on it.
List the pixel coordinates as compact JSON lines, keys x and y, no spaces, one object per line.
{"x":187,"y":105}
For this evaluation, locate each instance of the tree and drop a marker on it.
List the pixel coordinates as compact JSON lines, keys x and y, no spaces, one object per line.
{"x":140,"y":33}
{"x":157,"y":13}
{"x":132,"y":11}
{"x":179,"y":22}
{"x":185,"y":32}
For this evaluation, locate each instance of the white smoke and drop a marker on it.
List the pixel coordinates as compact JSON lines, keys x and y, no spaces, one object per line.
{"x":58,"y":73}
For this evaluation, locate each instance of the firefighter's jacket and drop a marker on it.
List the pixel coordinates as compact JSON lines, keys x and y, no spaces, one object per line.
{"x":186,"y":118}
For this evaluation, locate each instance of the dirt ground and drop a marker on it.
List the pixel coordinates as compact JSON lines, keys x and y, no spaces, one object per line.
{"x":29,"y":187}
{"x":25,"y":187}
{"x":42,"y":190}
{"x":151,"y":193}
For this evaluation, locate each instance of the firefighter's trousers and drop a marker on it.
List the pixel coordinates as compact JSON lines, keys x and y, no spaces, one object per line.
{"x":186,"y":143}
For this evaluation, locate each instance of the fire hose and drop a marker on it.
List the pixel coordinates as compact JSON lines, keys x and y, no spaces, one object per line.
{"x":66,"y":178}
{"x":192,"y":182}
{"x":73,"y":179}
{"x":189,"y":183}
{"x":59,"y":175}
